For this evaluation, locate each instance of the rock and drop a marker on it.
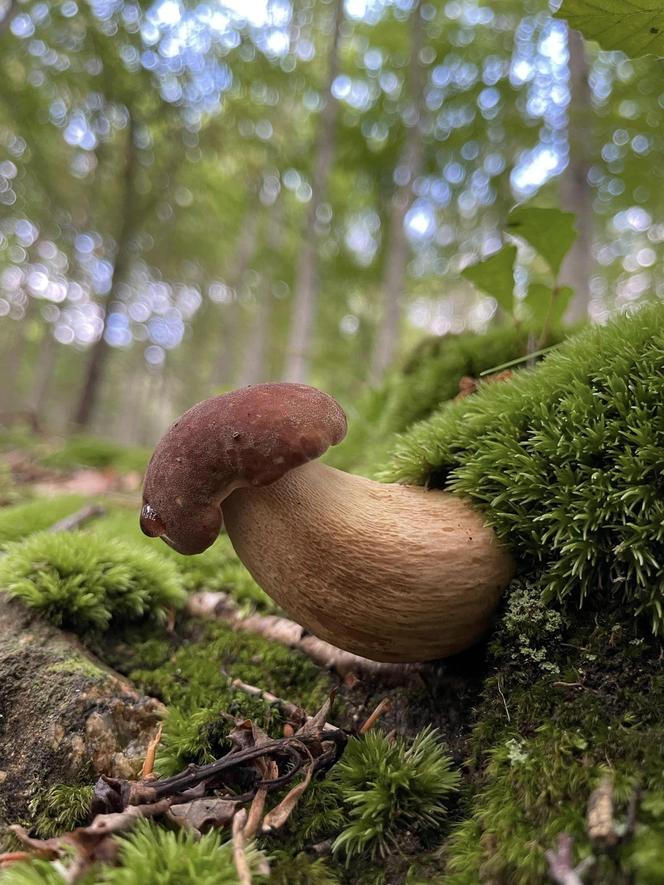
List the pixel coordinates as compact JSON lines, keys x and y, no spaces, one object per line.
{"x":64,"y":717}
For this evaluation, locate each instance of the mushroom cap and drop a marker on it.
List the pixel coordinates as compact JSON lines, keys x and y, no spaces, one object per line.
{"x":250,"y":437}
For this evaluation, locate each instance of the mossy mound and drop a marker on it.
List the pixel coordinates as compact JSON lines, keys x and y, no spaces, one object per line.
{"x":81,"y":581}
{"x":429,"y":376}
{"x":566,"y":463}
{"x":20,"y":520}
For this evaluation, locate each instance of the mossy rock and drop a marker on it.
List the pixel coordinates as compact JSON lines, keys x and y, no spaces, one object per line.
{"x":64,"y":717}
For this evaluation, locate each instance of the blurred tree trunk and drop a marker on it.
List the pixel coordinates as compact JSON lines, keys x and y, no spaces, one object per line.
{"x":575,"y":190}
{"x":100,"y":350}
{"x":254,"y":368}
{"x":305,"y":295}
{"x":227,"y":326}
{"x":48,"y":354}
{"x":11,"y":361}
{"x":397,"y":250}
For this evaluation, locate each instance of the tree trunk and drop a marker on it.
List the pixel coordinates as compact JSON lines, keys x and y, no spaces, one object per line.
{"x":254,"y":368}
{"x":397,"y":251}
{"x":48,"y":354}
{"x":100,"y":350}
{"x":227,"y":316}
{"x":575,"y":191}
{"x":305,"y":296}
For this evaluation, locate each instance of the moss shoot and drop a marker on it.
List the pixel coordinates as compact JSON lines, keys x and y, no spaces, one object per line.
{"x":81,"y":581}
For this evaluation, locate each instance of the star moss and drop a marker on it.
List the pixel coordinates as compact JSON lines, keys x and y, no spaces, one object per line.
{"x":565,"y":461}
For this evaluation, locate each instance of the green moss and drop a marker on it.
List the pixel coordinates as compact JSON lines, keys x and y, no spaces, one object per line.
{"x":545,"y":738}
{"x":429,"y":377}
{"x":80,"y":581}
{"x":38,"y":872}
{"x":60,"y":809}
{"x":301,"y":869}
{"x":88,"y":451}
{"x":21,"y":520}
{"x":389,"y":787}
{"x":565,"y":461}
{"x":217,"y":569}
{"x":78,"y":664}
{"x":153,"y":856}
{"x":194,"y":681}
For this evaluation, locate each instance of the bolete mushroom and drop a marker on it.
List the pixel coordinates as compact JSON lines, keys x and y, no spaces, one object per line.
{"x":390,"y":572}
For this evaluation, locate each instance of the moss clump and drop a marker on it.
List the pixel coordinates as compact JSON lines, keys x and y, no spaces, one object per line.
{"x":153,"y":856}
{"x":301,"y":869}
{"x":60,"y":809}
{"x":390,"y":787}
{"x":21,"y":520}
{"x":150,"y":855}
{"x":565,"y":461}
{"x":81,"y":581}
{"x":217,"y":569}
{"x":429,"y":377}
{"x":38,"y":872}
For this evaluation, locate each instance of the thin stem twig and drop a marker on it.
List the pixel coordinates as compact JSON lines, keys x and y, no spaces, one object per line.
{"x":76,"y":520}
{"x":220,"y":606}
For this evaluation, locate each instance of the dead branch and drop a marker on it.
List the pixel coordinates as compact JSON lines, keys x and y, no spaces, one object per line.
{"x":200,"y":797}
{"x":383,"y":707}
{"x":219,"y":606}
{"x":76,"y":520}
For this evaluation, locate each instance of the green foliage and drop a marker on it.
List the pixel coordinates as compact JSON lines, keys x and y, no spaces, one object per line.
{"x":217,"y":569}
{"x":89,"y":451}
{"x":549,"y":231}
{"x":38,"y":872}
{"x":60,"y":809}
{"x":392,"y":786}
{"x":634,"y":26}
{"x":80,"y":581}
{"x":543,"y":742}
{"x":150,"y":855}
{"x":300,"y":869}
{"x":21,"y":520}
{"x":194,"y":681}
{"x":565,"y":462}
{"x":495,"y":276}
{"x":546,"y":304}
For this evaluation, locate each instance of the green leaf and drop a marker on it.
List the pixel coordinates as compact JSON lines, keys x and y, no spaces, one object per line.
{"x":634,"y":26}
{"x":550,"y":232}
{"x":495,"y":276}
{"x":542,"y":308}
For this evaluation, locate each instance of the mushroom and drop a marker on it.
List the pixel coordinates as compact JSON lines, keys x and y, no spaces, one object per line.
{"x":390,"y":572}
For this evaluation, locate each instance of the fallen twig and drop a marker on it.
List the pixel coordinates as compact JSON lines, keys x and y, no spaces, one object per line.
{"x":201,"y":797}
{"x":148,"y":765}
{"x":220,"y":606}
{"x":239,"y":844}
{"x":383,"y":707}
{"x":76,"y":520}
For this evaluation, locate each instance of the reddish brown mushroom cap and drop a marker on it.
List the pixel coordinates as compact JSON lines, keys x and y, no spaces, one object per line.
{"x":250,"y":437}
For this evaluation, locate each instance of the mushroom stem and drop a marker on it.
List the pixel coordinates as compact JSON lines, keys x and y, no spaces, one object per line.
{"x":391,"y":572}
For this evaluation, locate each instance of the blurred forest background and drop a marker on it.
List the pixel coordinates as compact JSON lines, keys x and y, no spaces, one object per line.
{"x":197,"y":196}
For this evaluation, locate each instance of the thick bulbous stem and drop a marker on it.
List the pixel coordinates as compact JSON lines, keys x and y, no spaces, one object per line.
{"x":390,"y":572}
